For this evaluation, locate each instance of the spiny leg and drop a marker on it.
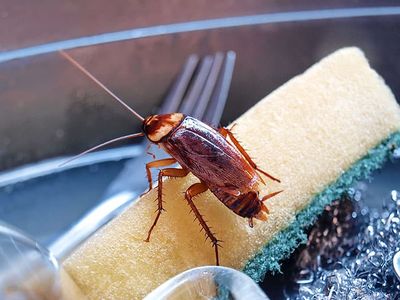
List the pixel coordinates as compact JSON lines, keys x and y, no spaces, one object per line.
{"x":192,"y":191}
{"x":156,"y":164}
{"x":226,"y":132}
{"x":251,"y":224}
{"x":266,"y":197}
{"x":169,"y":172}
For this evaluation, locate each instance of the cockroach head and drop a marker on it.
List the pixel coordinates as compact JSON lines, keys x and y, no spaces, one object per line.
{"x":157,"y":127}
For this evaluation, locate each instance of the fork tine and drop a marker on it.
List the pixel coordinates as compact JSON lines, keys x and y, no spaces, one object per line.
{"x":201,"y":91}
{"x":212,"y":79}
{"x":220,"y":95}
{"x":197,"y":86}
{"x":175,"y":96}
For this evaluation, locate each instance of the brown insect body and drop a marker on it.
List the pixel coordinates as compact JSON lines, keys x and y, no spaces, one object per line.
{"x":211,"y":158}
{"x":222,"y":166}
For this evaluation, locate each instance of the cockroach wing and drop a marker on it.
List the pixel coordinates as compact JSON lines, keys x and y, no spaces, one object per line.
{"x":209,"y":156}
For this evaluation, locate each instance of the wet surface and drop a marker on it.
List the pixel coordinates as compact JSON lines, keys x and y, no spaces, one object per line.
{"x":342,"y":254}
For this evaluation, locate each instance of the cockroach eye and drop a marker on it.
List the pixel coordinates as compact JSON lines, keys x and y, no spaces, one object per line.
{"x":157,"y":127}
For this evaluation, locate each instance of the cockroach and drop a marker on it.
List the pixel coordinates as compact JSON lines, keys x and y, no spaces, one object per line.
{"x":222,"y":166}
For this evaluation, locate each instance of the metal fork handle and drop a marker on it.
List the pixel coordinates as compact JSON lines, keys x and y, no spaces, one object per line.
{"x":173,"y":99}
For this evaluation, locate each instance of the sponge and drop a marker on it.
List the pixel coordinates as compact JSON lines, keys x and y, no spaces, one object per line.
{"x":318,"y":133}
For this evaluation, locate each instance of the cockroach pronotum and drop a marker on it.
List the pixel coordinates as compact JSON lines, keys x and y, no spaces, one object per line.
{"x":222,"y":166}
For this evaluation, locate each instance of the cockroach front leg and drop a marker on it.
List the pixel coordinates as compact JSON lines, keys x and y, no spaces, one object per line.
{"x":149,"y":152}
{"x":192,"y":191}
{"x":169,"y":172}
{"x":156,"y":164}
{"x":226,"y":132}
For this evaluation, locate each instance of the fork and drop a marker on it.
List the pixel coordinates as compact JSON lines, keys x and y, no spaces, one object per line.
{"x":201,"y":91}
{"x":192,"y":94}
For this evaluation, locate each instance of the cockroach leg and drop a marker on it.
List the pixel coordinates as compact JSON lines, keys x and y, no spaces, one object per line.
{"x":233,"y":125}
{"x":169,"y":172}
{"x":149,"y":152}
{"x":191,"y":192}
{"x":251,"y":222}
{"x":266,"y":197}
{"x":156,"y":164}
{"x":226,"y":132}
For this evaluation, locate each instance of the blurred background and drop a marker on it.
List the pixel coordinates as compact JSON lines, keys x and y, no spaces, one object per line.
{"x":49,"y":109}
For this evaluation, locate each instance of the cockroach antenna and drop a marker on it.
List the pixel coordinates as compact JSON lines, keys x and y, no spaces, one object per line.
{"x":88,"y":74}
{"x":121,"y":138}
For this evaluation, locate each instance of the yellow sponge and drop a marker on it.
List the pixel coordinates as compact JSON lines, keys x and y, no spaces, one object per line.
{"x":307,"y":133}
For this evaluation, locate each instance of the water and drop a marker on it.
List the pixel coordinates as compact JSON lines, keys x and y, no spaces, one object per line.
{"x":319,"y":272}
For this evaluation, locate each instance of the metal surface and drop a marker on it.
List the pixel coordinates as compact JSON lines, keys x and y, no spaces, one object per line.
{"x":44,"y":199}
{"x":167,"y":29}
{"x":49,"y":110}
{"x":188,"y":103}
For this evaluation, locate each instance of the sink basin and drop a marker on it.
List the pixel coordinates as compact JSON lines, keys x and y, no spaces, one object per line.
{"x":48,"y":110}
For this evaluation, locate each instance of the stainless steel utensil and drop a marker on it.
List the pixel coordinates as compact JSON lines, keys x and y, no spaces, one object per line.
{"x":201,"y":90}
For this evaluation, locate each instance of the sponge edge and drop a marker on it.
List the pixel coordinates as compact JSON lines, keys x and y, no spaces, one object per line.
{"x":307,"y":133}
{"x":280,"y":247}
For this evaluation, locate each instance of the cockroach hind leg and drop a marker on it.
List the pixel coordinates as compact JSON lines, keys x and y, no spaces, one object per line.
{"x":261,"y":179}
{"x":159,"y":210}
{"x":251,"y":224}
{"x":227,"y":132}
{"x":191,"y":192}
{"x":267,"y":174}
{"x":232,"y":126}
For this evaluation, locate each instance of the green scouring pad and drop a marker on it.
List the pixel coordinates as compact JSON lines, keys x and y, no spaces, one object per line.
{"x":283,"y":244}
{"x":318,"y":133}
